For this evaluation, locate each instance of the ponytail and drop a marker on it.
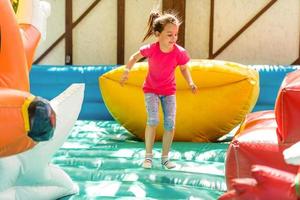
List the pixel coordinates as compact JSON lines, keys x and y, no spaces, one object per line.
{"x":157,"y":22}
{"x":153,"y":15}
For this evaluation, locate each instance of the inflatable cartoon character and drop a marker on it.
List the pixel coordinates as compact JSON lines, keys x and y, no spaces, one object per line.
{"x":29,"y":175}
{"x":24,"y":118}
{"x":28,"y":122}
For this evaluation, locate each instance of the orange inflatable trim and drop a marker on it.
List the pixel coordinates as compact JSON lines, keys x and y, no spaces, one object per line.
{"x":17,"y":46}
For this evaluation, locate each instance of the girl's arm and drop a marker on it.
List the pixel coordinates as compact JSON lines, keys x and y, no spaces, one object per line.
{"x":132,"y":60}
{"x":187,"y":76}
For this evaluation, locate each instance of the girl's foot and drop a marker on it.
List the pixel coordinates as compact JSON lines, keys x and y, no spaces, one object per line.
{"x":147,"y":164}
{"x":167,"y":163}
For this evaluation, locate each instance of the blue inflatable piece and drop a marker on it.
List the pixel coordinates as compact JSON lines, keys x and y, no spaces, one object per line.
{"x":49,"y":81}
{"x":270,"y":77}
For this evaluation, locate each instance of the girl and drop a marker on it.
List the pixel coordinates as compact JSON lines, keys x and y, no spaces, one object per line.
{"x":163,"y":58}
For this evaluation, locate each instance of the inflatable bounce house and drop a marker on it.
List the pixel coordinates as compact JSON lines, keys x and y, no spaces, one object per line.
{"x":109,"y":152}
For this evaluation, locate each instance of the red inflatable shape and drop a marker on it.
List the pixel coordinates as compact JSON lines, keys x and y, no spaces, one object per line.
{"x":267,"y":183}
{"x":287,"y":108}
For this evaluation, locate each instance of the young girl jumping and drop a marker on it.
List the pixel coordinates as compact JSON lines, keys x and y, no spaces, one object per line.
{"x":163,"y":58}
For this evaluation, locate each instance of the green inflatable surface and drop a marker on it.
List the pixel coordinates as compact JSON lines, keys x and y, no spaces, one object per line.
{"x":105,"y":161}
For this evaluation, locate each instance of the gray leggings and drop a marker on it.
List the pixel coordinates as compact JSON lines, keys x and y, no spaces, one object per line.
{"x":168,"y":104}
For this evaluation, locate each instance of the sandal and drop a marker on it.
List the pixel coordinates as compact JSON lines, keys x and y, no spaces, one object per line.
{"x":147,"y":164}
{"x":166,"y":163}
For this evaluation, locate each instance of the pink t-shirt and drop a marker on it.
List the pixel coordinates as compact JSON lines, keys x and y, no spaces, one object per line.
{"x":161,"y":77}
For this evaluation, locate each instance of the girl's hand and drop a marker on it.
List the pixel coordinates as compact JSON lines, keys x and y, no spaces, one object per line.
{"x":124,"y":78}
{"x":194,"y":88}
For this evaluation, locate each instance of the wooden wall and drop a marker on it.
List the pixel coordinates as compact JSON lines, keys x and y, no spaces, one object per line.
{"x":109,"y":31}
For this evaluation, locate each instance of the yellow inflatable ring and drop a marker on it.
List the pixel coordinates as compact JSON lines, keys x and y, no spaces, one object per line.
{"x":227,"y":92}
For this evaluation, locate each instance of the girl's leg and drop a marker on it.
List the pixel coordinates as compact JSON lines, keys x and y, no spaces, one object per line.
{"x":149,"y":141}
{"x":152,"y":103}
{"x":169,"y":110}
{"x":149,"y":138}
{"x":167,"y":142}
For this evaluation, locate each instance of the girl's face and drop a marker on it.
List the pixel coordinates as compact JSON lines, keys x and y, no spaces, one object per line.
{"x":168,"y":37}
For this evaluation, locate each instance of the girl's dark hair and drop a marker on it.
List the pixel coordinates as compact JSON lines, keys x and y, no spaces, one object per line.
{"x":157,"y":22}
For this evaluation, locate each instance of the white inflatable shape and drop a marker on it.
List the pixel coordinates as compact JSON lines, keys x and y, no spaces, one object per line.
{"x":292,"y":154}
{"x":34,"y":12}
{"x":29,"y":175}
